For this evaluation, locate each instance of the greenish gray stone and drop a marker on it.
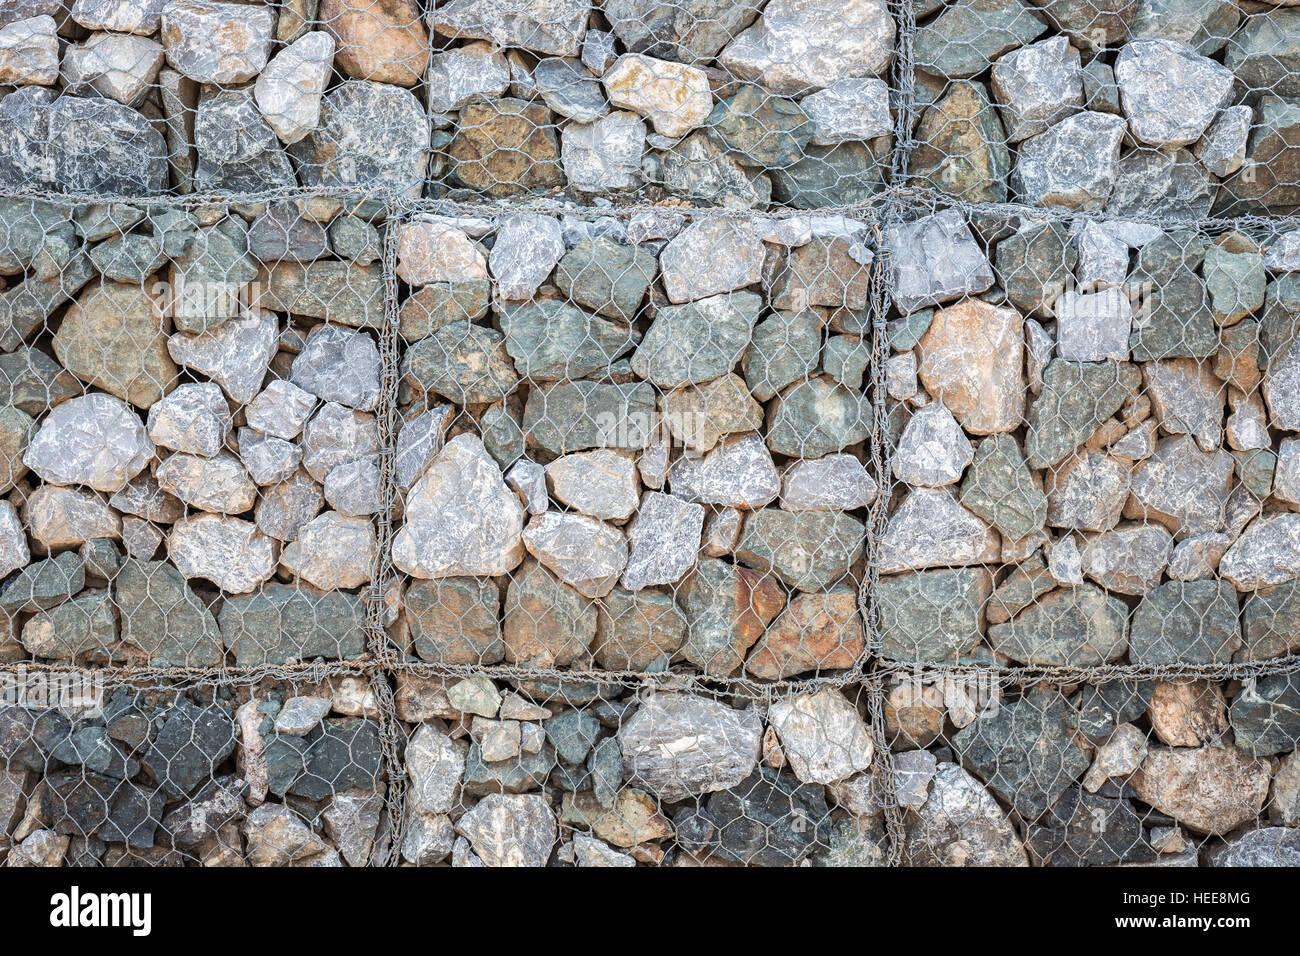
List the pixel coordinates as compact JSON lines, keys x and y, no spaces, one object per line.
{"x":1034,"y":266}
{"x":467,"y":364}
{"x":1265,"y":718}
{"x":552,"y":340}
{"x":1077,"y":398}
{"x":1203,"y":25}
{"x":638,"y":631}
{"x":34,"y":233}
{"x":697,"y":341}
{"x":190,"y":747}
{"x":341,"y":754}
{"x":281,"y":623}
{"x":1091,"y":24}
{"x":1100,"y":708}
{"x":208,"y":277}
{"x":807,"y":550}
{"x":699,"y":169}
{"x":1269,"y":179}
{"x":1100,"y":91}
{"x":85,"y":623}
{"x":605,"y":770}
{"x":1255,"y":470}
{"x":1176,"y":321}
{"x":342,"y":292}
{"x":1086,"y":829}
{"x":967,"y":36}
{"x":33,"y":382}
{"x":1265,"y":53}
{"x":904,"y":333}
{"x":516,"y":775}
{"x":931,"y":616}
{"x":845,"y":358}
{"x":608,"y":277}
{"x":573,"y":416}
{"x":163,"y":617}
{"x":1024,"y":752}
{"x":854,"y":845}
{"x":1075,"y":626}
{"x":502,"y":437}
{"x":1271,"y":623}
{"x":355,"y":240}
{"x":817,"y":417}
{"x":784,"y":349}
{"x":101,"y":558}
{"x":839,"y":175}
{"x":1027,"y":582}
{"x":573,"y":734}
{"x":1235,"y":282}
{"x":455,"y":620}
{"x":131,"y":258}
{"x":762,"y":129}
{"x":1000,"y":488}
{"x":43,"y":584}
{"x":1185,"y":622}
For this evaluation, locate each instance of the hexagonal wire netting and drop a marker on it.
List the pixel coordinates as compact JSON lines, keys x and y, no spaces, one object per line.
{"x":647,"y":433}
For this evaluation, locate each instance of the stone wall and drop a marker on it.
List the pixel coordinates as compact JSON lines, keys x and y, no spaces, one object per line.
{"x":647,"y":434}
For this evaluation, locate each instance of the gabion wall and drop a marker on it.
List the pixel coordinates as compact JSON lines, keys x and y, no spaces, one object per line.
{"x":638,"y":433}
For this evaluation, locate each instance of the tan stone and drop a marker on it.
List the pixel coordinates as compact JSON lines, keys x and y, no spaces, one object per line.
{"x":1187,"y":714}
{"x":675,"y":98}
{"x":816,"y":632}
{"x":1207,"y":789}
{"x":972,"y":359}
{"x":379,"y":40}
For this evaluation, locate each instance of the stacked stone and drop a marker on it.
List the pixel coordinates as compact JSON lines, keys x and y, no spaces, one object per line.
{"x":716,"y":103}
{"x":1143,"y":109}
{"x":1086,"y":436}
{"x":191,"y":451}
{"x":269,"y":773}
{"x":634,"y":449}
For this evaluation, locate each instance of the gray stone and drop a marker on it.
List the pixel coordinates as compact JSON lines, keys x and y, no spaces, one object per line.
{"x":1074,"y":164}
{"x":737,"y":473}
{"x":726,"y":609}
{"x":608,"y":277}
{"x":832,"y":483}
{"x":466,"y":74}
{"x":1169,"y":93}
{"x":665,"y":538}
{"x":960,"y":825}
{"x":583,"y":552}
{"x":95,"y":440}
{"x":1182,"y":487}
{"x":231,"y":553}
{"x":572,"y":416}
{"x":697,"y":168}
{"x":935,"y":259}
{"x":822,"y":735}
{"x":1192,"y":622}
{"x":1038,"y":85}
{"x":967,"y":36}
{"x":1077,"y":398}
{"x":849,"y":109}
{"x":604,"y":155}
{"x":118,"y":67}
{"x":933,"y":450}
{"x":930,"y":529}
{"x":1072,"y":626}
{"x":527,"y":248}
{"x":236,"y":355}
{"x":785,"y":348}
{"x":698,"y":341}
{"x":809,"y":551}
{"x":816,"y":418}
{"x":712,"y":256}
{"x":238,"y":151}
{"x":279,"y":623}
{"x":932,"y":616}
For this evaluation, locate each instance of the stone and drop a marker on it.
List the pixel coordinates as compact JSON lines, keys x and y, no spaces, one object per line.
{"x":725,"y":321}
{"x":785,"y":348}
{"x":29,"y":52}
{"x":332,"y":551}
{"x":1264,"y":716}
{"x":1093,"y":327}
{"x":510,"y":829}
{"x":485,"y":538}
{"x":1001,"y":489}
{"x":701,"y":416}
{"x":1182,"y":487}
{"x":336,"y":436}
{"x":1024,"y":752}
{"x":1074,"y":626}
{"x":693,"y":31}
{"x":441,"y":304}
{"x":1187,"y":399}
{"x":467,"y":365}
{"x":1267,"y":846}
{"x":67,"y":517}
{"x":341,"y":292}
{"x":290,"y":88}
{"x":1087,"y":492}
{"x":236,"y":355}
{"x":219,"y":43}
{"x":679,"y":746}
{"x":673,"y":97}
{"x":454,"y":621}
{"x":1077,"y":398}
{"x":1235,"y":282}
{"x":14,"y":552}
{"x":961,"y":824}
{"x":607,"y":277}
{"x":506,"y":146}
{"x":1074,"y":164}
{"x":966,"y":37}
{"x":762,"y":129}
{"x":856,"y":41}
{"x":586,"y":553}
{"x":1192,"y":622}
{"x":852,"y":108}
{"x":190,"y":746}
{"x":383,"y":42}
{"x":557,"y":31}
{"x":638,"y":631}
{"x":547,"y":623}
{"x":600,"y":483}
{"x":339,"y":365}
{"x":928,"y":529}
{"x":219,"y":484}
{"x":1206,"y":789}
{"x":737,"y":473}
{"x":832,"y":483}
{"x":809,"y":550}
{"x":816,"y":632}
{"x":935,"y":260}
{"x":281,"y":410}
{"x":714,"y":255}
{"x":1084,"y":829}
{"x":698,"y":168}
{"x":32,"y":382}
{"x":122,"y":16}
{"x":1265,"y":555}
{"x":370,"y":134}
{"x":231,"y":553}
{"x":726,"y":610}
{"x":816,"y":418}
{"x":569,"y":89}
{"x":552,"y":340}
{"x":85,"y":623}
{"x":932,"y":615}
{"x":664,"y":538}
{"x":1187,"y":713}
{"x":431,"y":251}
{"x":192,"y":418}
{"x":572,"y":416}
{"x":1037,"y":85}
{"x":94,"y":440}
{"x":466,"y":74}
{"x":353,"y":488}
{"x":933,"y":450}
{"x":122,"y":68}
{"x":604,"y":155}
{"x":1128,"y":559}
{"x":355,"y":240}
{"x":822,"y":735}
{"x":971,"y":359}
{"x":114,"y":337}
{"x":961,"y":147}
{"x":475,"y":695}
{"x":527,"y":248}
{"x":1170,"y":94}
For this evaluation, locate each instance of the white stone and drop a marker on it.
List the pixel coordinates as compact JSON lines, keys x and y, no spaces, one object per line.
{"x":289,"y":91}
{"x":604,"y":155}
{"x":281,"y":409}
{"x":468,"y":74}
{"x":674,"y":97}
{"x":822,"y":735}
{"x":933,"y":450}
{"x":527,"y":248}
{"x":665,"y":538}
{"x":222,"y":43}
{"x":431,"y":251}
{"x":832,"y":483}
{"x":586,"y":553}
{"x":119,"y":66}
{"x":1093,"y":326}
{"x":1222,"y":149}
{"x":853,"y":108}
{"x":332,"y":551}
{"x":94,"y":440}
{"x":29,"y":52}
{"x":709,"y":257}
{"x":235,"y":355}
{"x":231,"y":553}
{"x":1103,"y":259}
{"x":14,"y":552}
{"x":192,"y":418}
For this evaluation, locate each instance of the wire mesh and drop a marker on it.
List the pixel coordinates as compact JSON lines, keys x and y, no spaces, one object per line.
{"x":784,"y":433}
